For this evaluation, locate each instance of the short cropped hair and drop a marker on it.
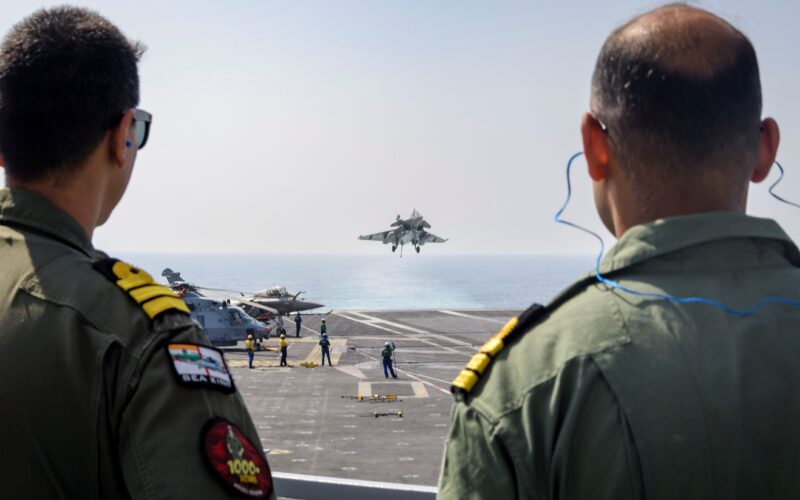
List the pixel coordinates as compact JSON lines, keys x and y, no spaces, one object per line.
{"x":679,"y":100}
{"x":66,"y":77}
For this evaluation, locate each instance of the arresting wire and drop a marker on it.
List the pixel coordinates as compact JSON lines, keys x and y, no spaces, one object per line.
{"x":662,"y":296}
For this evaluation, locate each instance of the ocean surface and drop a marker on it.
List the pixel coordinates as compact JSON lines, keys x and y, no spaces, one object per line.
{"x":382,"y":282}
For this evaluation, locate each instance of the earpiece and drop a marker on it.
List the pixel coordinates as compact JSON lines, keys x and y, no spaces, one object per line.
{"x":128,"y":144}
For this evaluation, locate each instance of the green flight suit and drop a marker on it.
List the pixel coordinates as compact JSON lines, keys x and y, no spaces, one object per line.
{"x":609,"y":395}
{"x":91,"y":408}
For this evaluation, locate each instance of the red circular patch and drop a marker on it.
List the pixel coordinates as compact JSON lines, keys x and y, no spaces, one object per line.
{"x":235,"y":461}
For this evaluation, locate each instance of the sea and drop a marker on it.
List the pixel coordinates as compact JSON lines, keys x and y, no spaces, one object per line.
{"x":381,"y":282}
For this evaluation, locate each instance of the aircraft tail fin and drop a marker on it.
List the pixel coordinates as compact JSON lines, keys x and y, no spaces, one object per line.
{"x":172,"y":276}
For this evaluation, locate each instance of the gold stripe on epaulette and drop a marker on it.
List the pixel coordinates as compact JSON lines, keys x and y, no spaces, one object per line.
{"x":470,"y":375}
{"x":154,"y":298}
{"x":157,"y":306}
{"x":145,"y":293}
{"x":479,"y":362}
{"x":492,"y":347}
{"x":465,"y":381}
{"x":130,"y":277}
{"x":508,"y":328}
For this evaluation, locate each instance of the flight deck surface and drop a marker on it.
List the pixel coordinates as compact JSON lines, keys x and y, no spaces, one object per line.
{"x":309,"y":420}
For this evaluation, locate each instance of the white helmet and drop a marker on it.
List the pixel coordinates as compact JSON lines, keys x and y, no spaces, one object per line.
{"x":386,"y":344}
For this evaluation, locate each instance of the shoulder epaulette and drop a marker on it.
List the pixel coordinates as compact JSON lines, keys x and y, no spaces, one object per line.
{"x":477,"y":365}
{"x":141,"y":287}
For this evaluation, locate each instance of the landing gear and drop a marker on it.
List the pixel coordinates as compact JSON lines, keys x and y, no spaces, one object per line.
{"x":394,"y":247}
{"x":417,"y":248}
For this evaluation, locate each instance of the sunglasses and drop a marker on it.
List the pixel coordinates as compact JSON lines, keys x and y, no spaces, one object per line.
{"x":141,"y":123}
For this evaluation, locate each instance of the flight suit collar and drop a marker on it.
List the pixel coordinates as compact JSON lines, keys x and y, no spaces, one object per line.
{"x":664,"y":236}
{"x":25,"y":209}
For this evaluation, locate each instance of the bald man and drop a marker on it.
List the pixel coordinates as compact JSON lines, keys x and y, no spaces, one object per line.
{"x":607,"y":394}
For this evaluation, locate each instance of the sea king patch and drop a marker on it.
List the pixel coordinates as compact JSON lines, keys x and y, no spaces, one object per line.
{"x":200,"y":366}
{"x":234,"y":460}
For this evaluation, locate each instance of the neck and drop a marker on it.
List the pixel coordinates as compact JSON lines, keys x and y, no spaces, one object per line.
{"x":81,"y":197}
{"x":675,"y":202}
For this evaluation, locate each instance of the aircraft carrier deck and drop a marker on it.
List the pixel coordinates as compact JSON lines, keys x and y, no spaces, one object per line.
{"x":308,"y":421}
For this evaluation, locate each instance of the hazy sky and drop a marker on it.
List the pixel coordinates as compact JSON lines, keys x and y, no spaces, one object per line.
{"x":295,"y":126}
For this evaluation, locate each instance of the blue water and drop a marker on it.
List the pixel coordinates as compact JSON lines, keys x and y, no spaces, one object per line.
{"x":383,"y":282}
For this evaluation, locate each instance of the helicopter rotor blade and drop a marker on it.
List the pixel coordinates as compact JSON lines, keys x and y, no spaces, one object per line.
{"x":239,"y":300}
{"x":240,"y":292}
{"x":258,"y":306}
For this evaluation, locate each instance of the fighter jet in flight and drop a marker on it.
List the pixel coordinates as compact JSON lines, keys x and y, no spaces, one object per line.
{"x":411,"y":230}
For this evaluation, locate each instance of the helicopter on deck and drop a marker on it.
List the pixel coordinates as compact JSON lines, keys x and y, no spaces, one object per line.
{"x":224,"y":322}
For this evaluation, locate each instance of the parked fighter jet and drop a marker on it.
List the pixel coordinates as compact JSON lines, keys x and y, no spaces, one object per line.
{"x":411,"y":230}
{"x":282,"y":301}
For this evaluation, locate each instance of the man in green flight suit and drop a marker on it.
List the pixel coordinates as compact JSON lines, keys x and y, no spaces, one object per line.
{"x":107,"y":384}
{"x":608,"y":393}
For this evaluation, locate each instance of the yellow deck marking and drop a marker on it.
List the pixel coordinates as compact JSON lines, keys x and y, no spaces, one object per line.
{"x":338,"y":347}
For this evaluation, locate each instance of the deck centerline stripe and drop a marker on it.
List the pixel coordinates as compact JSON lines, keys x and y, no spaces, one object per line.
{"x":472,"y":316}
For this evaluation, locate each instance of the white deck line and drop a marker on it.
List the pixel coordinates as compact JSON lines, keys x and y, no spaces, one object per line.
{"x":308,"y":487}
{"x":448,"y":382}
{"x":472,"y":316}
{"x":372,"y":322}
{"x":375,"y":319}
{"x":410,"y":374}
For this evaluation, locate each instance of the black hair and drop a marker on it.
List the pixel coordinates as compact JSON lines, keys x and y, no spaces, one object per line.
{"x":66,"y":77}
{"x":679,"y":98}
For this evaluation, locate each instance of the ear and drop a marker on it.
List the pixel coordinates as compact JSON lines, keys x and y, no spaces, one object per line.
{"x":595,"y":147}
{"x":769,"y":138}
{"x":120,"y":136}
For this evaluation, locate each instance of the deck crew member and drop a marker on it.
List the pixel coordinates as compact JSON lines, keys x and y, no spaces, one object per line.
{"x":298,"y":321}
{"x":129,"y":385}
{"x":325,"y":346}
{"x":618,"y":389}
{"x":284,"y":347}
{"x":323,"y":327}
{"x":250,"y":347}
{"x":386,"y":354}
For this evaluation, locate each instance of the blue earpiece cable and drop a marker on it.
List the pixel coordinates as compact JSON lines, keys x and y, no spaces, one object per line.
{"x":777,"y":197}
{"x":679,"y":300}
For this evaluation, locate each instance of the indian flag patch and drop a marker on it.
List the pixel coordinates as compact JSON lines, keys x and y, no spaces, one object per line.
{"x":200,"y":366}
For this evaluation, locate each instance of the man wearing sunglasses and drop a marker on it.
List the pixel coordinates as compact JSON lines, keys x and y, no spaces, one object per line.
{"x":107,"y":385}
{"x":661,"y":375}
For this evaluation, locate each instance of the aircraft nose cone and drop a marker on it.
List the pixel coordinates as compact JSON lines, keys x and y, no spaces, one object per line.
{"x":305,"y":305}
